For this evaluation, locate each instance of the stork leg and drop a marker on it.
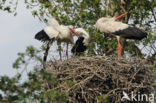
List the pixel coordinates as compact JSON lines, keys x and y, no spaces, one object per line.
{"x":119,"y":47}
{"x":119,"y":50}
{"x":59,"y":49}
{"x":60,"y":55}
{"x":46,"y":54}
{"x":67,"y":51}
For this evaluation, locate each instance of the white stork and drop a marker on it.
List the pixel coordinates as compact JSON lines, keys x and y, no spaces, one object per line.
{"x":56,"y":32}
{"x":82,"y":42}
{"x":120,"y":30}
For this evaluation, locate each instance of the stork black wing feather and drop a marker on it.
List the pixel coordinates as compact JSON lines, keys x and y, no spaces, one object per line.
{"x":42,"y":36}
{"x":131,"y":33}
{"x":79,"y":46}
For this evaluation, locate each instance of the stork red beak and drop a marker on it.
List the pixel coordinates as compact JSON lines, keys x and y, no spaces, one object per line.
{"x":73,"y":31}
{"x":122,"y":15}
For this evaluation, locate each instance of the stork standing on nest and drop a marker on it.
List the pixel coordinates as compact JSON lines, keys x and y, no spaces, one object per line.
{"x":83,"y":41}
{"x":120,"y":30}
{"x":56,"y":32}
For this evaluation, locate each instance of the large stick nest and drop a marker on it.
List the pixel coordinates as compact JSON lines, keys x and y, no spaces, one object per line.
{"x":98,"y":79}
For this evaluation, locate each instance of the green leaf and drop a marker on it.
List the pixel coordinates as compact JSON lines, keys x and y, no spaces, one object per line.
{"x":34,"y":13}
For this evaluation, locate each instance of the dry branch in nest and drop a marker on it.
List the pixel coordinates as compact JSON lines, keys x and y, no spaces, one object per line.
{"x":100,"y":79}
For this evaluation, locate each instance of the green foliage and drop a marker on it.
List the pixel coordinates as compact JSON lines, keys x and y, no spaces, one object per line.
{"x":102,"y":99}
{"x":57,"y":96}
{"x":79,"y":13}
{"x":70,"y":83}
{"x":24,"y":58}
{"x":34,"y":13}
{"x":37,"y":89}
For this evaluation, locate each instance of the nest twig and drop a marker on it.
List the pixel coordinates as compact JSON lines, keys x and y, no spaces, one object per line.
{"x":97,"y":76}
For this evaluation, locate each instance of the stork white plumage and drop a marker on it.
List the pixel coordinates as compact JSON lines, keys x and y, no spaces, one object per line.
{"x":82,"y":33}
{"x":82,"y":42}
{"x":56,"y":32}
{"x":119,"y":29}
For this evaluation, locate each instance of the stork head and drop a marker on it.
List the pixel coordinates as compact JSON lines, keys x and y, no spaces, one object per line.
{"x":72,"y":30}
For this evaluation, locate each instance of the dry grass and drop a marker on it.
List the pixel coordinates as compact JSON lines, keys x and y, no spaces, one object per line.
{"x":100,"y":78}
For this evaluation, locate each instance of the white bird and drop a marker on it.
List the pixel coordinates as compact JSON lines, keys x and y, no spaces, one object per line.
{"x":120,"y":30}
{"x":56,"y":32}
{"x":82,"y":42}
